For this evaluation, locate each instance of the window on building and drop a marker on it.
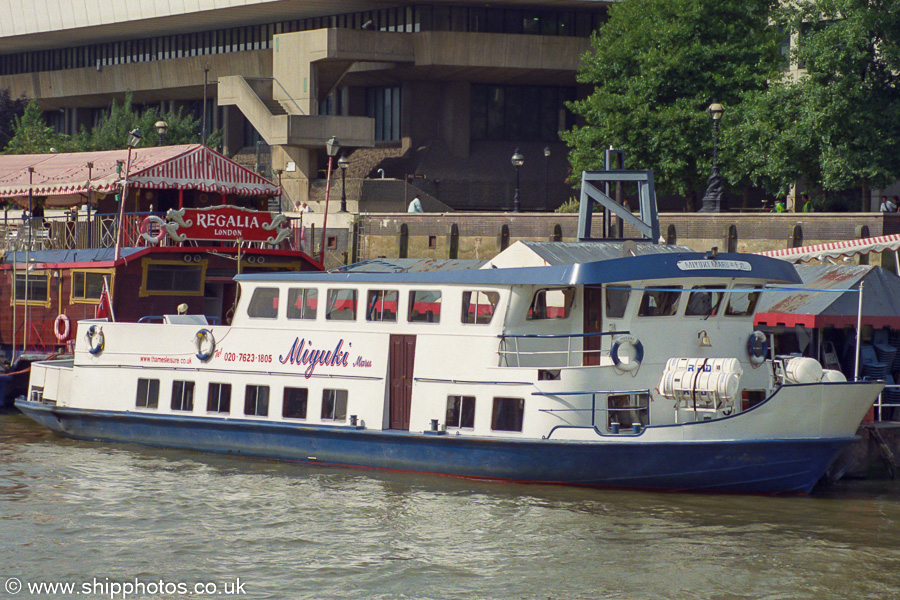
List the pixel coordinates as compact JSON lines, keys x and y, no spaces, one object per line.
{"x":381,"y":305}
{"x":383,"y":105}
{"x":166,"y":277}
{"x":302,"y":303}
{"x":628,"y":409}
{"x":519,"y":113}
{"x":218,"y":398}
{"x":341,"y":305}
{"x":551,"y":304}
{"x":479,"y":307}
{"x":87,"y":285}
{"x":507,"y":414}
{"x":660,"y":303}
{"x":741,"y":304}
{"x":294,"y":406}
{"x":263,"y":303}
{"x":38,"y":287}
{"x":183,"y":395}
{"x":256,"y":400}
{"x":334,"y":405}
{"x":616,"y":301}
{"x":461,"y":412}
{"x":703,"y":301}
{"x":424,"y":306}
{"x":147,"y":393}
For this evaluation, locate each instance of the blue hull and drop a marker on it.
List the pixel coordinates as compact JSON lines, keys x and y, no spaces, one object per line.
{"x":764,"y":466}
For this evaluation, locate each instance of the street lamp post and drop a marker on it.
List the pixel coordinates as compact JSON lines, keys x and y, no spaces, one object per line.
{"x":279,"y":172}
{"x":332,"y":147}
{"x":343,"y":163}
{"x":517,"y":160}
{"x":134,"y":138}
{"x":161,"y":128}
{"x":547,"y":178}
{"x":713,"y":198}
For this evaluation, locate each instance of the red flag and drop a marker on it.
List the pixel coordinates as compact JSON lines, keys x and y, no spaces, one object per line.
{"x":103,"y":309}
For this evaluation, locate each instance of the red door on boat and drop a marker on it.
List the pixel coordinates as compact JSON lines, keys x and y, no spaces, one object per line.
{"x":401,"y":361}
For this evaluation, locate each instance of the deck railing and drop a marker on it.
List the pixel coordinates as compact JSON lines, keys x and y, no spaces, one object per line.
{"x":548,"y":350}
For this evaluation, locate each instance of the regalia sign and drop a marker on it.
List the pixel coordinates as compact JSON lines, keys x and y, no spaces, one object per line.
{"x":222,"y":224}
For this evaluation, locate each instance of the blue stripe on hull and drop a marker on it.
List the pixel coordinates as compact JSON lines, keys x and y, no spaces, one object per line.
{"x":764,"y":466}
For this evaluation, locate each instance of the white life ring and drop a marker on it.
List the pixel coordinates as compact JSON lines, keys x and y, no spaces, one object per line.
{"x":631,"y":344}
{"x":757,"y":347}
{"x":63,"y":335}
{"x":95,"y":339}
{"x":205,"y":343}
{"x":145,"y":230}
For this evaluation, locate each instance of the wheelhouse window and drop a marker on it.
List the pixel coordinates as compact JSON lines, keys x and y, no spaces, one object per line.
{"x":38,"y":288}
{"x":741,"y":304}
{"x":660,"y":303}
{"x":478,"y":307}
{"x":628,"y":409}
{"x":295,"y":400}
{"x":302,"y":303}
{"x":218,"y":398}
{"x":704,"y":301}
{"x":551,"y":304}
{"x":424,"y":306}
{"x":507,"y":414}
{"x":461,"y":412}
{"x":334,"y":405}
{"x":183,"y":395}
{"x":616,"y":301}
{"x":147,"y":393}
{"x":256,"y":400}
{"x":341,"y":305}
{"x":165,"y":277}
{"x":88,"y":285}
{"x":263,"y":303}
{"x":381,"y":305}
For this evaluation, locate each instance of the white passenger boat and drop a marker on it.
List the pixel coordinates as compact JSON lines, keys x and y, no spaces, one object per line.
{"x":638,"y":368}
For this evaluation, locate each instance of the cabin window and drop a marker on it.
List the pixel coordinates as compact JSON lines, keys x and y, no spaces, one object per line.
{"x":38,"y":288}
{"x":218,"y":399}
{"x":294,"y":406}
{"x":461,"y":412}
{"x":479,"y":307}
{"x":551,"y":304}
{"x":628,"y":409}
{"x":147,"y":393}
{"x":302,"y":303}
{"x":741,"y":304}
{"x":381,"y":305}
{"x":660,"y":303}
{"x":616,"y":301}
{"x":263,"y":303}
{"x":256,"y":400}
{"x":334,"y":405}
{"x":165,"y":278}
{"x":87,"y":285}
{"x":183,"y":395}
{"x":341,"y":305}
{"x":704,"y":301}
{"x":424,"y":306}
{"x":507,"y":414}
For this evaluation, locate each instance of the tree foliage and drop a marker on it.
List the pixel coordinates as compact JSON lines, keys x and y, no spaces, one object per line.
{"x":32,"y":135}
{"x":655,"y":67}
{"x":10,"y":109}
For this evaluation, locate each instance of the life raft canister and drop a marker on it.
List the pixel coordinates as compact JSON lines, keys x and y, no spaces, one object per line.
{"x":631,"y":345}
{"x":757,"y":347}
{"x":205,"y":343}
{"x":61,"y":334}
{"x":95,"y":339}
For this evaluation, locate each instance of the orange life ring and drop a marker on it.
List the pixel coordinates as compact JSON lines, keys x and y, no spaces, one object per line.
{"x":63,"y":335}
{"x":145,"y":230}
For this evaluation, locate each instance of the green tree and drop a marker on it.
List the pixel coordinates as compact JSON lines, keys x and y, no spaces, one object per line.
{"x":655,"y":67}
{"x":10,"y":109}
{"x":32,"y":135}
{"x":837,"y":124}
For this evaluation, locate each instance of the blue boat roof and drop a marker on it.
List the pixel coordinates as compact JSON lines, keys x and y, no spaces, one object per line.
{"x":85,"y":255}
{"x":674,"y":265}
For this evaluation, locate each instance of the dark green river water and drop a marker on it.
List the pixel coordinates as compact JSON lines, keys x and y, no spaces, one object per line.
{"x":109,"y":519}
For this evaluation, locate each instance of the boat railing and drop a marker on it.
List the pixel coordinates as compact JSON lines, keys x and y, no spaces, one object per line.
{"x":550,"y":350}
{"x":887,"y":405}
{"x":211,"y":320}
{"x":635,"y":429}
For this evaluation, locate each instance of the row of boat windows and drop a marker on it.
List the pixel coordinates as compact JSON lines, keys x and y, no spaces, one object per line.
{"x":507,"y":413}
{"x":703,"y":300}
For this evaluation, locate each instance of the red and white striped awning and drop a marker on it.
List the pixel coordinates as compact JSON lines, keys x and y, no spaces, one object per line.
{"x":837,"y":249}
{"x":188,"y":167}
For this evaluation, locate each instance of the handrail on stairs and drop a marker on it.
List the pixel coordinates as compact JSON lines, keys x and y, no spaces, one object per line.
{"x":275,"y":81}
